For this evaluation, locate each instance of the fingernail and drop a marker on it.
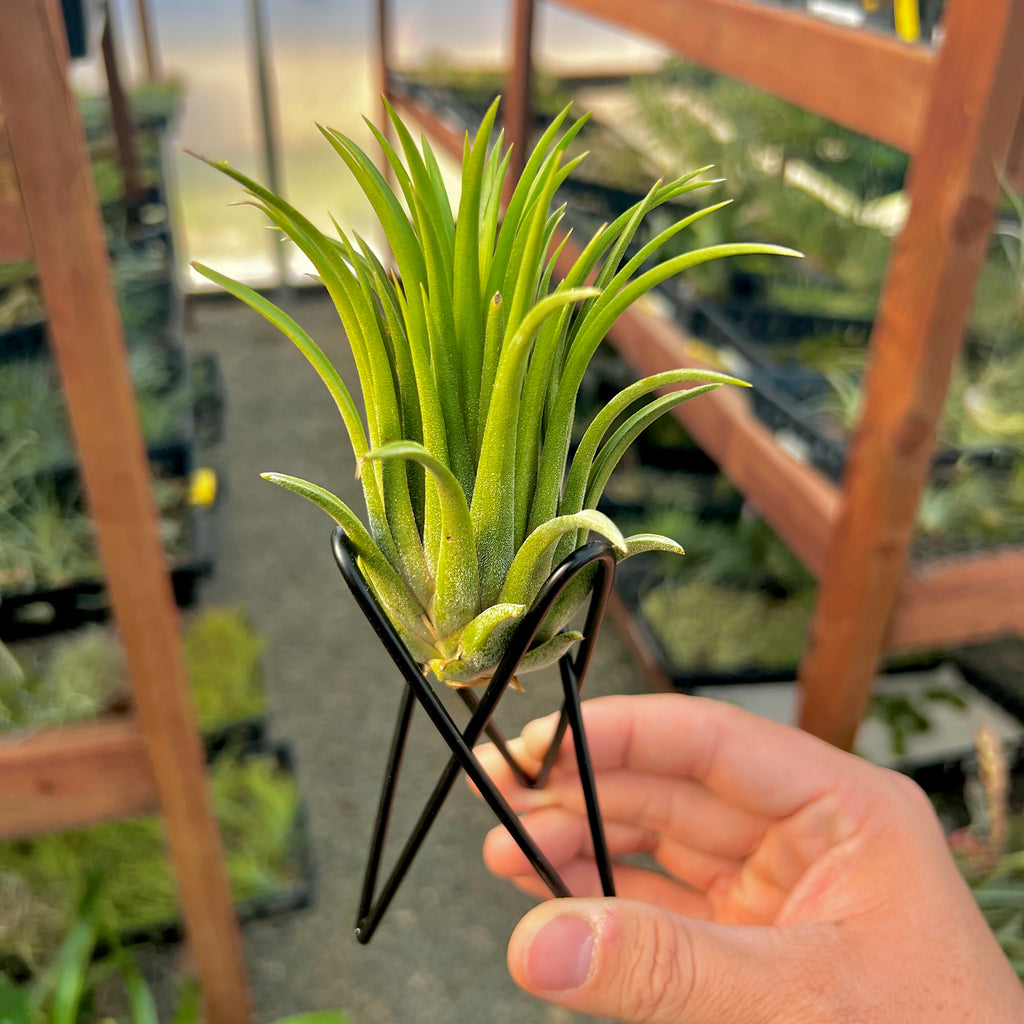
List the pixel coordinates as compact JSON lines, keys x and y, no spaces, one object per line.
{"x":559,"y":956}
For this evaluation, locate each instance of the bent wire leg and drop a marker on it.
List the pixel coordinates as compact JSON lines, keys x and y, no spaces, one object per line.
{"x":460,"y":743}
{"x":384,"y":805}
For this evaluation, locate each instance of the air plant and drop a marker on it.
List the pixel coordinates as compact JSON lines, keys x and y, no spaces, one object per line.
{"x":469,"y":360}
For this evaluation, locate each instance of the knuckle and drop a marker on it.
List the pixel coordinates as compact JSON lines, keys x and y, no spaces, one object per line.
{"x":657,"y":984}
{"x":910,"y":793}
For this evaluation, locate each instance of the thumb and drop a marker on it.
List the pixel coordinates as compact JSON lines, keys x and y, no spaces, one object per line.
{"x":638,"y":963}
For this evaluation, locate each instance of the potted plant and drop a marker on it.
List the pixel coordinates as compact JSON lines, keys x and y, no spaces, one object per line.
{"x":470,"y":356}
{"x":68,"y":990}
{"x":268,"y":857}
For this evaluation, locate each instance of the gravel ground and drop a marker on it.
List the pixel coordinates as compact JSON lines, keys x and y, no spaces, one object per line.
{"x":439,"y":955}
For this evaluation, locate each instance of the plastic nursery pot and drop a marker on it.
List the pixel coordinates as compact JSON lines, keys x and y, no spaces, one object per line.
{"x":573,"y":670}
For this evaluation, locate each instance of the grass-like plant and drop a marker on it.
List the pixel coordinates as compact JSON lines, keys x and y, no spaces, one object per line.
{"x":469,"y":359}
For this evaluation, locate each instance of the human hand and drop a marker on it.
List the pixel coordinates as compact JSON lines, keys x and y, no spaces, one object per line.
{"x":797,"y":884}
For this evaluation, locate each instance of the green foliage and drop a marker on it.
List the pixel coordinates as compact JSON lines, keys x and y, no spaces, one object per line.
{"x":256,"y":805}
{"x":47,"y":541}
{"x":64,"y":991}
{"x":80,"y":680}
{"x":79,"y":677}
{"x":41,"y":540}
{"x":706,"y":626}
{"x":905,"y":715}
{"x":469,"y":359}
{"x":32,"y":406}
{"x":151,"y":102}
{"x":224,"y":655}
{"x":740,"y":600}
{"x":978,"y":507}
{"x":998,"y":885}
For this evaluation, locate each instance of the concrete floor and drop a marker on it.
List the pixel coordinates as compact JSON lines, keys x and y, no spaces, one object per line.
{"x":439,"y":956}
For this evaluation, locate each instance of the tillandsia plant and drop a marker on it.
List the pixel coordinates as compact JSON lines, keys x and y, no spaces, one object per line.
{"x":469,"y":358}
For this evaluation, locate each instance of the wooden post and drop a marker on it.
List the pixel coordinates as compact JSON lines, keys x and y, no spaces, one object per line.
{"x":383,"y":59}
{"x":121,"y":117}
{"x":969,"y":123}
{"x":384,"y":92}
{"x":517,"y":99}
{"x":87,"y":338}
{"x":268,"y":120}
{"x":1015,"y":162}
{"x":149,"y":47}
{"x":15,"y":243}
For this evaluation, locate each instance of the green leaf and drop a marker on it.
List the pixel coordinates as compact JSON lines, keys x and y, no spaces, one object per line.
{"x":640,"y":543}
{"x":493,"y":509}
{"x":532,"y":564}
{"x":576,"y":483}
{"x":190,"y":1002}
{"x":400,"y":597}
{"x":457,"y":593}
{"x":140,"y":998}
{"x":467,"y":311}
{"x":72,"y":964}
{"x":400,"y":234}
{"x":14,"y":1004}
{"x":481,"y":645}
{"x":609,"y":456}
{"x":549,"y":652}
{"x":598,"y":321}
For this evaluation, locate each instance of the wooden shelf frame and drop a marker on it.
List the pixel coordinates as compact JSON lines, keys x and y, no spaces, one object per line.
{"x":959,"y":112}
{"x":867,"y":81}
{"x":72,"y":776}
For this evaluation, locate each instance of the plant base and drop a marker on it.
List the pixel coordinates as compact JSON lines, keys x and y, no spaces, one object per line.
{"x":373,"y":904}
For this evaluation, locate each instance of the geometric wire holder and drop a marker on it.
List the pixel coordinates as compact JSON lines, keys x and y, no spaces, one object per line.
{"x":573,"y":671}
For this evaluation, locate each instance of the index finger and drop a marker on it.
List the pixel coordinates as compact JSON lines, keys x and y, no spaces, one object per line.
{"x":753,"y":762}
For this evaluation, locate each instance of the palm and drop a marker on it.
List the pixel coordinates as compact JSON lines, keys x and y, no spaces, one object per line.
{"x":729,"y":844}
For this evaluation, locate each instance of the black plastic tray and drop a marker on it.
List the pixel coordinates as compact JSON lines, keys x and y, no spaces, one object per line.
{"x":781,"y":390}
{"x":629,"y":583}
{"x":944,"y":782}
{"x":996,"y":669}
{"x":209,"y":399}
{"x":26,"y":341}
{"x":39,"y":611}
{"x":297,"y":897}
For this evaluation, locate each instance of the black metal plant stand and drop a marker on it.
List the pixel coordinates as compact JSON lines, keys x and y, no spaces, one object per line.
{"x":372,"y":905}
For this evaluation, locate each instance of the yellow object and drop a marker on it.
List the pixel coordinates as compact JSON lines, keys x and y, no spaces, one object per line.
{"x":202,"y":490}
{"x":908,"y":20}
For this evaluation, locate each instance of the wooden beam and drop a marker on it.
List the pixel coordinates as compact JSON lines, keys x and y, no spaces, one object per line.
{"x":1015,"y":161}
{"x":960,"y":600}
{"x":87,"y":340}
{"x":15,"y":241}
{"x":148,"y":37}
{"x":517,"y":116}
{"x":448,"y":135}
{"x":953,"y":187}
{"x":869,"y":82}
{"x":383,"y":55}
{"x":70,"y":777}
{"x":122,"y":118}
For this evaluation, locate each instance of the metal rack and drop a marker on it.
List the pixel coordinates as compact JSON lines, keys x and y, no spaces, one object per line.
{"x":152,"y":761}
{"x":957,"y":111}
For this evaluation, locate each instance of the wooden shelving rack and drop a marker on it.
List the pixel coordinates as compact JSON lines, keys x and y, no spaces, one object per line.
{"x":154,"y":760}
{"x":957,"y":110}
